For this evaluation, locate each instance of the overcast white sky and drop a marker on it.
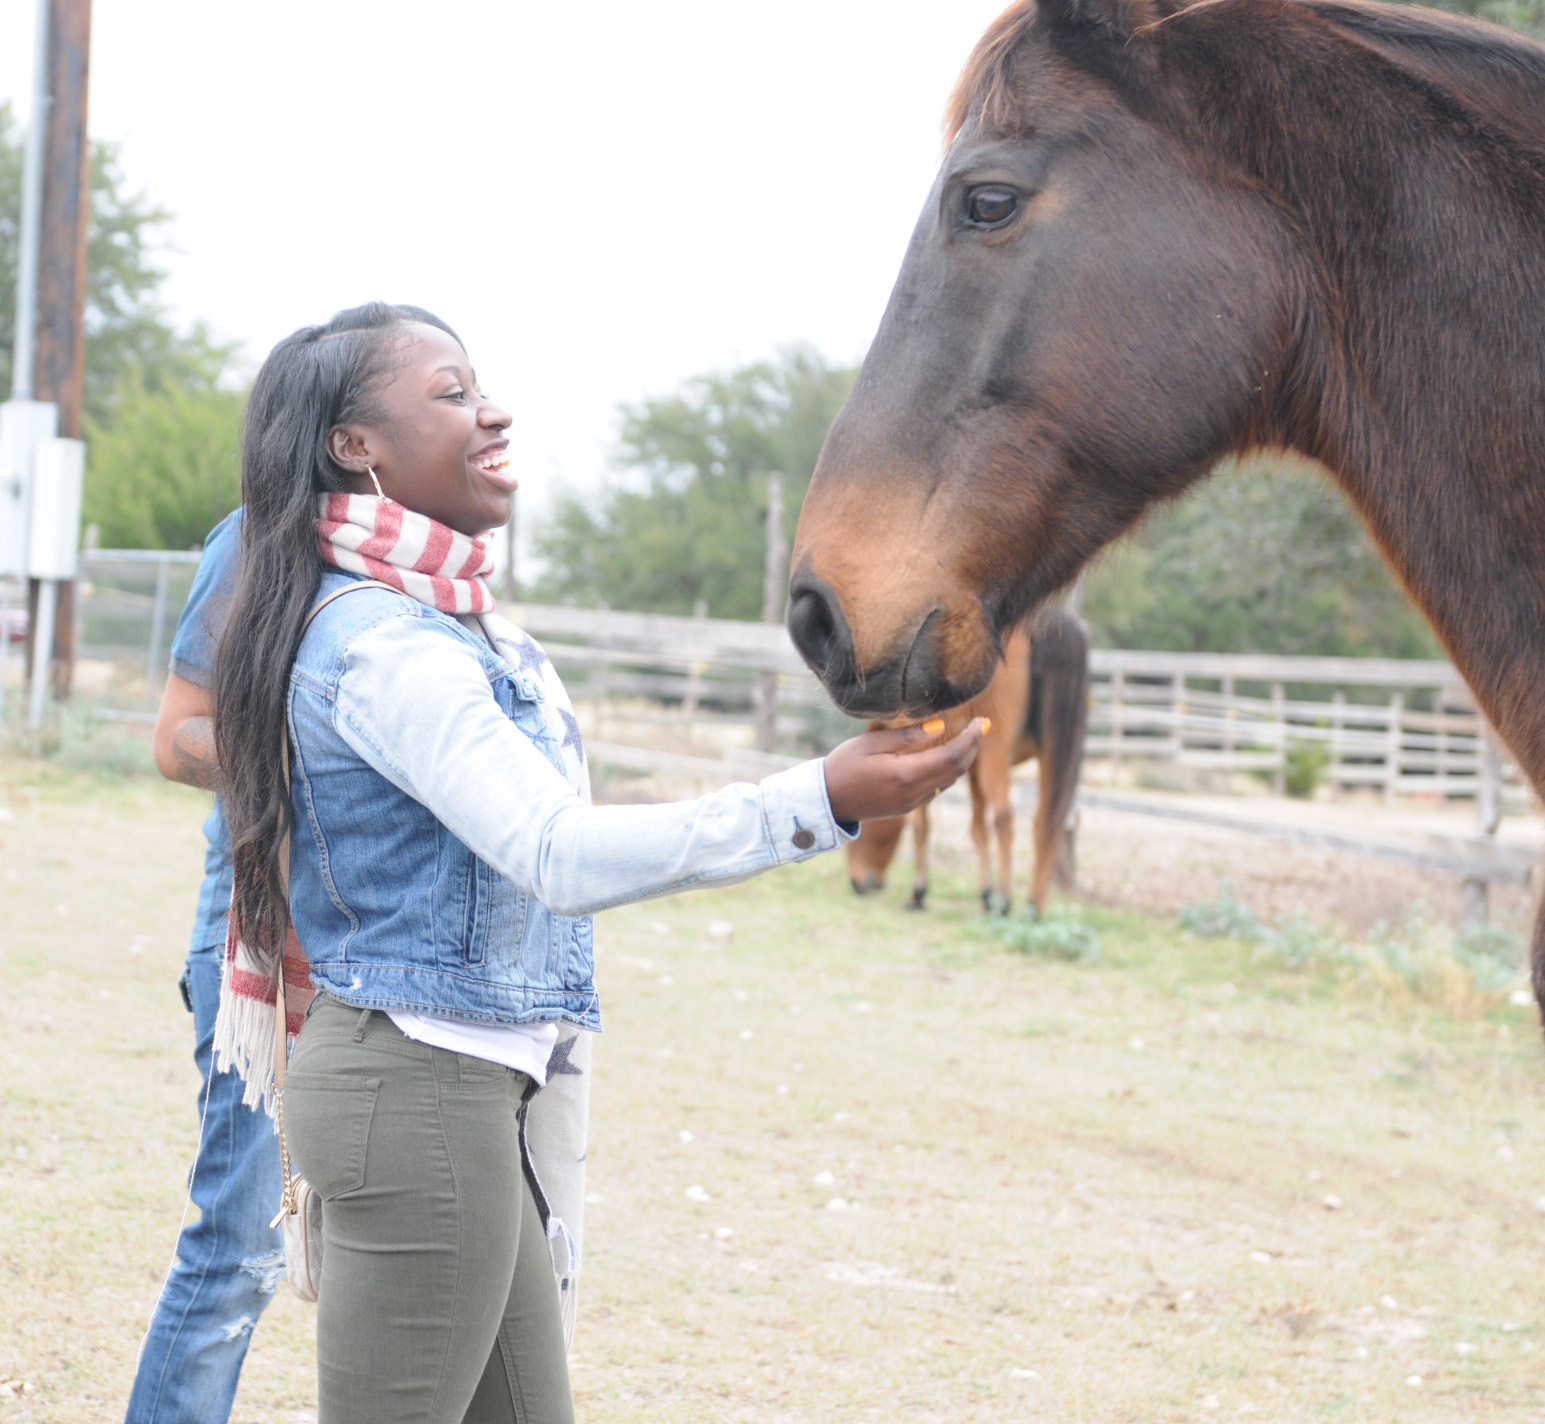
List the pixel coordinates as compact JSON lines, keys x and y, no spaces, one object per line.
{"x":603,"y":198}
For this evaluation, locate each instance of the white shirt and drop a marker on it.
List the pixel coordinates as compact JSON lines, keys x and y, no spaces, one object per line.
{"x":523,"y":1047}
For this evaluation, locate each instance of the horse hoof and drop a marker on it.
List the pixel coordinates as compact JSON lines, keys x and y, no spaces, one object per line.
{"x":918,"y":900}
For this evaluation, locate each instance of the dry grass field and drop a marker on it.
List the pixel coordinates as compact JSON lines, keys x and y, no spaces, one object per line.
{"x":848,"y":1164}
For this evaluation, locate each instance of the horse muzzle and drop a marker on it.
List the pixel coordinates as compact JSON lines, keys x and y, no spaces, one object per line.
{"x":915,"y":680}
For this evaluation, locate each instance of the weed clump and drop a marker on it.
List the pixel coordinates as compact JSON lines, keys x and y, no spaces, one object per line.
{"x":1304,"y":765}
{"x":1465,"y":973}
{"x":1061,"y":933}
{"x":1226,"y":917}
{"x":77,"y":739}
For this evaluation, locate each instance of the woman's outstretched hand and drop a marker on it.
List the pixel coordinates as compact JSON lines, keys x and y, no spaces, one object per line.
{"x":896,"y":770}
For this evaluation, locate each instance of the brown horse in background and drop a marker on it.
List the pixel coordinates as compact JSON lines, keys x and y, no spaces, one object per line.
{"x":1166,"y":234}
{"x":1038,"y":705}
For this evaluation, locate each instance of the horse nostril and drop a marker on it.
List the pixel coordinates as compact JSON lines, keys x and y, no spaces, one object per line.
{"x":817,"y":626}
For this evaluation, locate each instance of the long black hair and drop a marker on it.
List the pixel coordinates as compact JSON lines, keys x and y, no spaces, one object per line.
{"x":318,"y":378}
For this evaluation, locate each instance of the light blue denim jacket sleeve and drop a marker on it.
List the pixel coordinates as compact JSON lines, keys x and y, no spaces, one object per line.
{"x":421,"y":712}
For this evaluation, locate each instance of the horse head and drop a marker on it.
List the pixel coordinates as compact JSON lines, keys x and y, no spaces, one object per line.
{"x":870,"y":856}
{"x":1087,"y":317}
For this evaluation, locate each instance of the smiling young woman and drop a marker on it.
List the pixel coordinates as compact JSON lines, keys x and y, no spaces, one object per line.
{"x":444,"y":863}
{"x":433,"y":441}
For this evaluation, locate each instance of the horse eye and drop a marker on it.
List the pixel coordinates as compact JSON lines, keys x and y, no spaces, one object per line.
{"x":991,"y":207}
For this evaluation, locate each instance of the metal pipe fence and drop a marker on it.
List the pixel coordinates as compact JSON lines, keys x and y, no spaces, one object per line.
{"x":126,"y":613}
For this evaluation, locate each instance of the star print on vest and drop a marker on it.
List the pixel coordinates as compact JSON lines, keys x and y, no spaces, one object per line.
{"x":524,"y":654}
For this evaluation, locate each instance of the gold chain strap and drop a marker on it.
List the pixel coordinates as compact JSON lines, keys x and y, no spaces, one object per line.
{"x":287,"y":1205}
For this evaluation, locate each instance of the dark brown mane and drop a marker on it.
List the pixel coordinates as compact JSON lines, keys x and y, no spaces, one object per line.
{"x":1458,"y":41}
{"x":1495,"y":75}
{"x":985,"y":86}
{"x":1498,"y":76}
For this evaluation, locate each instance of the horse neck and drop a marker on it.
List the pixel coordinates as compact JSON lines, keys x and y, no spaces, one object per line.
{"x":1418,"y":376}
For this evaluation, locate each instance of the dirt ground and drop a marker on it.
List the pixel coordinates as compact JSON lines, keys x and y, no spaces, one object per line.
{"x":1161,"y":866}
{"x":851,"y":1164}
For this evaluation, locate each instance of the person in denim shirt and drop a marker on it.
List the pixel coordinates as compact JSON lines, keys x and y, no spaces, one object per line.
{"x":229,"y":1259}
{"x":444,"y":861}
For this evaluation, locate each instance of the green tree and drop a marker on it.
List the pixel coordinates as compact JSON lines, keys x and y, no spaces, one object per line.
{"x":165,"y":467}
{"x":1263,"y":557}
{"x":126,"y":327}
{"x":161,"y":425}
{"x":1526,"y":16}
{"x":684,"y":516}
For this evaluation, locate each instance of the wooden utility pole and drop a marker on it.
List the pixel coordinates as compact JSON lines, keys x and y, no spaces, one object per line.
{"x":775,"y":578}
{"x":511,"y":585}
{"x":59,"y":365}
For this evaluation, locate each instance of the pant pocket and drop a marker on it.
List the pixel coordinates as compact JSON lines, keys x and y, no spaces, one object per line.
{"x":327,"y":1125}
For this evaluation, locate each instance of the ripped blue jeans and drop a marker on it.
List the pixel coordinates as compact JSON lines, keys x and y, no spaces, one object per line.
{"x":229,"y":1260}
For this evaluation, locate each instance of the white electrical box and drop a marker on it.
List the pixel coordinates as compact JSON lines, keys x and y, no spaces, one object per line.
{"x":58,"y":473}
{"x":24,"y":425}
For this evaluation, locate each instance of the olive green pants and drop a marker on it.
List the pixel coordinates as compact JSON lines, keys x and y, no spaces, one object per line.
{"x":438,"y":1302}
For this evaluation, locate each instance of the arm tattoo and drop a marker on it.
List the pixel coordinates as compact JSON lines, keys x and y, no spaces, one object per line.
{"x":193,"y":745}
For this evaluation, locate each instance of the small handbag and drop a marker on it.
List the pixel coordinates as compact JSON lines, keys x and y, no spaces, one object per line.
{"x":300,"y":1205}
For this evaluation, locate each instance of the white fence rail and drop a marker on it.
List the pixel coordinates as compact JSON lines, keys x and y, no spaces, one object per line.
{"x":1249,"y":712}
{"x":1236,"y":712}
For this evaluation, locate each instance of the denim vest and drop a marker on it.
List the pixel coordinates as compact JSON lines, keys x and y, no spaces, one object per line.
{"x":391,"y":908}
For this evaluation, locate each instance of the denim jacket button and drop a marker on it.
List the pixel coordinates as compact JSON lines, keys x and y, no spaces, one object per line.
{"x":803,"y":838}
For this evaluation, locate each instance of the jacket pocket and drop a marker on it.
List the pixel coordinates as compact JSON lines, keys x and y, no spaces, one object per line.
{"x":576,"y":967}
{"x":495,"y":923}
{"x":327,"y":1120}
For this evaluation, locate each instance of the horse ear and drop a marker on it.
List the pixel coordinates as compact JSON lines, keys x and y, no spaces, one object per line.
{"x":1119,"y":19}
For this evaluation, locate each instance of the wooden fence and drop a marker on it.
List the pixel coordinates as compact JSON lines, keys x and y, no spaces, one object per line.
{"x":1237,"y":712}
{"x":1397,"y":726}
{"x":1400,"y":726}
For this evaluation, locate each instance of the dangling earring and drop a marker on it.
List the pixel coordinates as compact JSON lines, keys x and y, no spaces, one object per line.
{"x":384,"y":497}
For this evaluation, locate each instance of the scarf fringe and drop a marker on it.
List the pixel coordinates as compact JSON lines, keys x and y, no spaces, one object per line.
{"x":244,"y":1041}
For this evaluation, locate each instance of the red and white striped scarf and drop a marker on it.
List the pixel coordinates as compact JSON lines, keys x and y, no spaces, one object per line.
{"x":427,"y":560}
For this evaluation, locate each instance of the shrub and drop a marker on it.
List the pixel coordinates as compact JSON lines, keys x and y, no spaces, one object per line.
{"x":74,"y":739}
{"x":1061,"y":933}
{"x":1226,"y":917}
{"x":1303,"y":768}
{"x":1464,"y":973}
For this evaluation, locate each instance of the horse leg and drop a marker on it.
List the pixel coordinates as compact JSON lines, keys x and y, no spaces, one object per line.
{"x":1003,"y":825}
{"x":869,"y":856}
{"x":979,"y":837}
{"x":1048,"y":841}
{"x":920,"y":827}
{"x":991,"y":790}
